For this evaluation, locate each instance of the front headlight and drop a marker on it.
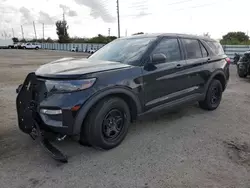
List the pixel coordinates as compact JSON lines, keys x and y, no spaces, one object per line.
{"x":68,"y":85}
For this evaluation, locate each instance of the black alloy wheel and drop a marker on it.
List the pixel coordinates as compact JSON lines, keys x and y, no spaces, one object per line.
{"x":107,"y":124}
{"x":113,"y":124}
{"x":213,"y":96}
{"x":242,"y":73}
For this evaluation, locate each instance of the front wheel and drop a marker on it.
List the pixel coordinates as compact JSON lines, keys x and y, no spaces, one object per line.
{"x":213,"y":96}
{"x":107,"y":124}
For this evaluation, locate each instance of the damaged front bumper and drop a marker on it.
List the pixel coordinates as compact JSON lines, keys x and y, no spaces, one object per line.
{"x":29,"y":119}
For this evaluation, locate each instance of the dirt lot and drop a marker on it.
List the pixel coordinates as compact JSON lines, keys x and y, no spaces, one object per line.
{"x":188,"y":148}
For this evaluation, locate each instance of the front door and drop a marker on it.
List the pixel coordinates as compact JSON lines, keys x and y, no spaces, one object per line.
{"x":165,"y":81}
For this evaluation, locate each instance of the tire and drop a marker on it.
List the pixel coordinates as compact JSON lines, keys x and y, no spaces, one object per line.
{"x":24,"y":47}
{"x":36,"y":48}
{"x":102,"y":130}
{"x":213,"y":96}
{"x":241,"y":74}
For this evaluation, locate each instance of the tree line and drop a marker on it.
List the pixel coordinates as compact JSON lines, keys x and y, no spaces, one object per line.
{"x":235,"y":38}
{"x":100,"y":39}
{"x":63,"y":36}
{"x":231,"y":38}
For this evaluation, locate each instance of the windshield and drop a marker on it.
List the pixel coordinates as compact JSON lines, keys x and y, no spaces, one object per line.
{"x":123,"y":50}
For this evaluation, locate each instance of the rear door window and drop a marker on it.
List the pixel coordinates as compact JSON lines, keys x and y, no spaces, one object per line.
{"x":193,"y":50}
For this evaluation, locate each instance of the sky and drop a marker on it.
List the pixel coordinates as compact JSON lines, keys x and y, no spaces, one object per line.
{"x":87,"y":18}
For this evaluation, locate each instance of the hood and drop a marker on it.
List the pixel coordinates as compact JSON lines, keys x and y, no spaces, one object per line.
{"x":74,"y":67}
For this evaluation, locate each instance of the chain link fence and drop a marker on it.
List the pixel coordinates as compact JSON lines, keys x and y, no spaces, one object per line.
{"x":230,"y":50}
{"x":81,"y":47}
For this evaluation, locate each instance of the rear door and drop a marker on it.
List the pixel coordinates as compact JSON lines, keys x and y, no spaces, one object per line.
{"x":197,"y":58}
{"x":165,"y":81}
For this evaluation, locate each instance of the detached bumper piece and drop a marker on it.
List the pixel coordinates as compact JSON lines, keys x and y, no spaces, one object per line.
{"x":29,"y":120}
{"x":53,"y":151}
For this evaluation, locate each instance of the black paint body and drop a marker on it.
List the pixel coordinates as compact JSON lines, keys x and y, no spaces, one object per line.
{"x":145,"y":86}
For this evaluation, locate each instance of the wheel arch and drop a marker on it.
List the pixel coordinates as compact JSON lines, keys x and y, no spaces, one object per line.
{"x":124,"y":93}
{"x":218,"y":75}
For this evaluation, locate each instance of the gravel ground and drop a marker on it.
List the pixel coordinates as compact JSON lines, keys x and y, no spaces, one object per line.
{"x":186,"y":148}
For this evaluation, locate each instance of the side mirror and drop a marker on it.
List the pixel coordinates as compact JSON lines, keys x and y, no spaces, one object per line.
{"x":158,"y":58}
{"x":19,"y":88}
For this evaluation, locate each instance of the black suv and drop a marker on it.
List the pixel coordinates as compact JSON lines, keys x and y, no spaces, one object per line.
{"x":97,"y":98}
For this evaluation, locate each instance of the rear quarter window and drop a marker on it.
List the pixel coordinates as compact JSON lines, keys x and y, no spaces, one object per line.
{"x":193,"y":49}
{"x":216,"y":47}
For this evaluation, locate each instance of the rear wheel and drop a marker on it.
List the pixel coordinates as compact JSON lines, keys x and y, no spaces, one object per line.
{"x":107,"y":124}
{"x":213,"y":96}
{"x":241,"y":73}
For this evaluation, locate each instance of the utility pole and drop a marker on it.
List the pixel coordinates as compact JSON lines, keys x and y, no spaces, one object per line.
{"x":118,"y":18}
{"x":43,"y":32}
{"x":109,"y":32}
{"x":13,"y":33}
{"x":35,"y":30}
{"x":22,"y":31}
{"x":126,"y":32}
{"x":64,"y":23}
{"x":5,"y":35}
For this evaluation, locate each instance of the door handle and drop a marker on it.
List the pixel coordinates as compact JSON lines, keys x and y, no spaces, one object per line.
{"x":178,"y":66}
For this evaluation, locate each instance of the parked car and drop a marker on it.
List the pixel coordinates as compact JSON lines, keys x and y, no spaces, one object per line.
{"x":97,"y":98}
{"x":74,"y":49}
{"x":243,"y":65}
{"x":91,"y":51}
{"x":31,"y":46}
{"x":18,"y":45}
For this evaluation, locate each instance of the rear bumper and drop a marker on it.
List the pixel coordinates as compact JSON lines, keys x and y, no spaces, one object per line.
{"x":227,"y":75}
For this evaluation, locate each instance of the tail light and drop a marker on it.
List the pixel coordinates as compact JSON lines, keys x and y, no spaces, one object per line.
{"x":228,"y":60}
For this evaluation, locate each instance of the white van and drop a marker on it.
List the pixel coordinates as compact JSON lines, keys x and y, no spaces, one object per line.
{"x":6,"y":43}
